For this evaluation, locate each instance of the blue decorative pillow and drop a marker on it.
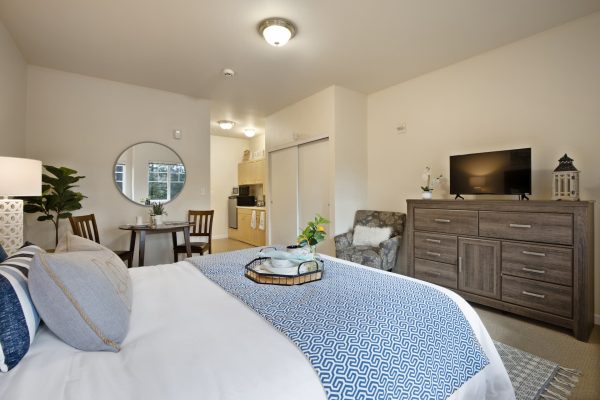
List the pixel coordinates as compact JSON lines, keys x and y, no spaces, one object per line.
{"x":19,"y":319}
{"x":3,"y":254}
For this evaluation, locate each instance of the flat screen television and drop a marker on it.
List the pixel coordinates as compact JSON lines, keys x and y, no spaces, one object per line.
{"x":496,"y":172}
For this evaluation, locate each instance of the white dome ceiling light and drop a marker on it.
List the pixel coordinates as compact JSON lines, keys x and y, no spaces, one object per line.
{"x":277,"y":31}
{"x":250,"y":132}
{"x":226,"y":125}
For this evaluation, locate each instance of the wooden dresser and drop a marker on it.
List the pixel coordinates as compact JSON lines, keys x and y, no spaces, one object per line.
{"x":532,"y":258}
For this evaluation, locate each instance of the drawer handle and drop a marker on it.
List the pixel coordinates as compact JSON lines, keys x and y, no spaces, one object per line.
{"x":539,"y":296}
{"x":520,"y":226}
{"x":459,"y":264}
{"x":431,"y":253}
{"x":444,"y":221}
{"x":535,"y":271}
{"x":534,"y":253}
{"x":433,"y":240}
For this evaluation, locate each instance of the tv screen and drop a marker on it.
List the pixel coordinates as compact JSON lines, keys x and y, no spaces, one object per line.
{"x":496,"y":172}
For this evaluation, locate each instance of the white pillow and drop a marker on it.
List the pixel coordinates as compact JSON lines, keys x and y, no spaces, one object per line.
{"x":370,"y":236}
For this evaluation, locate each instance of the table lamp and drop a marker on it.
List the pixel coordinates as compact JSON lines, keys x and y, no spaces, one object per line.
{"x":18,"y":177}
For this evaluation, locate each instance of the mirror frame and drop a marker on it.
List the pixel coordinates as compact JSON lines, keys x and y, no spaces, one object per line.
{"x":147,"y":142}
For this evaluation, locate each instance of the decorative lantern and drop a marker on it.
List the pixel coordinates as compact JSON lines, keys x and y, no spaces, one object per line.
{"x":565,"y":185}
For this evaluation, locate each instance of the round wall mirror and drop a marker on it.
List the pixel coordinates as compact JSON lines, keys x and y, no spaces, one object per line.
{"x":149,"y":173}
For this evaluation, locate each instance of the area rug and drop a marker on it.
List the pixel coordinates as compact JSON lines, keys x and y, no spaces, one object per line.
{"x":536,"y":378}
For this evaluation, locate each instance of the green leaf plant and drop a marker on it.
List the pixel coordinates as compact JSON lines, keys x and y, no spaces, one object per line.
{"x":314,"y":232}
{"x":58,"y":199}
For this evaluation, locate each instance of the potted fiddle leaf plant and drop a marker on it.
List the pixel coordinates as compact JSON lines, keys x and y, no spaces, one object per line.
{"x":58,"y":198}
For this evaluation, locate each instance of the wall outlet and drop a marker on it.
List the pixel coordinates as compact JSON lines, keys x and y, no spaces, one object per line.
{"x":177,"y":134}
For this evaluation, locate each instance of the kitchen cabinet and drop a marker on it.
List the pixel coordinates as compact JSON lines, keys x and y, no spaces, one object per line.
{"x":251,"y":172}
{"x":245,"y":233}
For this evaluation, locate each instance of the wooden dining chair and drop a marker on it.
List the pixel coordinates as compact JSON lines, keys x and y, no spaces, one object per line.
{"x":85,"y":226}
{"x":202,"y":222}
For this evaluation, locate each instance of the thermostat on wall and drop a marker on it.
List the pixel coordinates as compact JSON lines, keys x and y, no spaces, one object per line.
{"x":177,"y":134}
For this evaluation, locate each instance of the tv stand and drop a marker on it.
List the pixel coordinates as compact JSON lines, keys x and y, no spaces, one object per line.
{"x":532,"y":258}
{"x":523,"y":196}
{"x":458,"y":196}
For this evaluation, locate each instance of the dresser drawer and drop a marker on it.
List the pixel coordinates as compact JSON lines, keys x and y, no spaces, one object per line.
{"x":431,"y":246}
{"x":436,"y":272}
{"x":462,"y":222}
{"x":553,"y":299}
{"x":542,"y":263}
{"x":535,"y":227}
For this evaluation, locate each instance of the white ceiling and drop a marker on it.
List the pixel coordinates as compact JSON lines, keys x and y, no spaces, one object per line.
{"x":183,"y":45}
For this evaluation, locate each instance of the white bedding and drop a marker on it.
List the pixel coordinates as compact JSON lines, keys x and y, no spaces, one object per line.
{"x":189,"y":339}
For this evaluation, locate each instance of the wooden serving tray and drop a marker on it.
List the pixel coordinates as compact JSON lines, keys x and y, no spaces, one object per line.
{"x":283,"y":280}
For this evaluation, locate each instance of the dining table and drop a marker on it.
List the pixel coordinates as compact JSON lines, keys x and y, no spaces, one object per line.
{"x":148,"y":229}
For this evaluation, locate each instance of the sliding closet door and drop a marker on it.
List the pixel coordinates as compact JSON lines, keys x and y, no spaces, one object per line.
{"x":313,"y":181}
{"x":283,"y":168}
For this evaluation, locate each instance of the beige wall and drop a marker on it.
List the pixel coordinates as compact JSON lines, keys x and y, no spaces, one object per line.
{"x":542,"y":92}
{"x":340,"y":114}
{"x":13,"y":90}
{"x":225,"y":154}
{"x":85,"y":123}
{"x":350,"y":152}
{"x":311,"y":117}
{"x":257,"y":145}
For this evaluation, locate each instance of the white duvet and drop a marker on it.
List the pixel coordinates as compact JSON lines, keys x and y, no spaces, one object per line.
{"x":189,"y":339}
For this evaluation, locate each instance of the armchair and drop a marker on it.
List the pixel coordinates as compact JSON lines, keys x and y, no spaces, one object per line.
{"x":383,"y":256}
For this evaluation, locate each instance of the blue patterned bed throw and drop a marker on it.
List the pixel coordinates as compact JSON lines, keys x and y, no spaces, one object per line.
{"x":368,"y":335}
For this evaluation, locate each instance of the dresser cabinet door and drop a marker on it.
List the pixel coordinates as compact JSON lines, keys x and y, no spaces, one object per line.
{"x":479,"y":267}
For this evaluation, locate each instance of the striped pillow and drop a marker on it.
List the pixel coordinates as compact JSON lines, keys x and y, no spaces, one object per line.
{"x":3,"y":254}
{"x":19,"y":319}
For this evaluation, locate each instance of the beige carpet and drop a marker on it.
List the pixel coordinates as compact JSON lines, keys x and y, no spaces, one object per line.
{"x":551,"y":343}
{"x":224,"y":245}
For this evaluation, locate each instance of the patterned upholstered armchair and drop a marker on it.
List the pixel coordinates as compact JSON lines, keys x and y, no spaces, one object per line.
{"x":384,"y":256}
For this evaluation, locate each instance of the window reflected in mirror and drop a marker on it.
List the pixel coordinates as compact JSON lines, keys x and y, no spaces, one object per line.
{"x":148,"y":173}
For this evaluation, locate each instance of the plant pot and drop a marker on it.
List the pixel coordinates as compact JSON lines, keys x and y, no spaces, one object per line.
{"x":157,"y":220}
{"x":427,"y":195}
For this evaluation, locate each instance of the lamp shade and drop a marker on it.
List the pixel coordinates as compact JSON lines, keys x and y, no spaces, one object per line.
{"x":20,"y":177}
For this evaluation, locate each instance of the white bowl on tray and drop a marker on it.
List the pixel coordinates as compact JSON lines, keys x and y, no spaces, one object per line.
{"x":282,"y":263}
{"x":288,"y":269}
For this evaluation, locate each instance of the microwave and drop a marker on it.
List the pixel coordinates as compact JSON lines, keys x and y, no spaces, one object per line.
{"x":244,"y":190}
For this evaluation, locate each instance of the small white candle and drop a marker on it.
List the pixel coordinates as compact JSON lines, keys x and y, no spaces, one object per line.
{"x":139,"y":220}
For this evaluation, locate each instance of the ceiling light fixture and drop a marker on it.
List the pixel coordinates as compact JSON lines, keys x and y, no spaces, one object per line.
{"x":249,"y":132}
{"x":226,"y":125}
{"x":277,"y":31}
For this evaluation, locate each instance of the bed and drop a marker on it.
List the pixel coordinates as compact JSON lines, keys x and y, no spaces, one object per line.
{"x":199,"y":341}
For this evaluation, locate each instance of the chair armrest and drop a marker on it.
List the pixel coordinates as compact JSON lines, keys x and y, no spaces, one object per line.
{"x":343,"y":240}
{"x":389,"y":248}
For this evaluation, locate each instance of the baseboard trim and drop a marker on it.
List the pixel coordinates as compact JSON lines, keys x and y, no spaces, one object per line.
{"x":221,"y":236}
{"x":597,"y":319}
